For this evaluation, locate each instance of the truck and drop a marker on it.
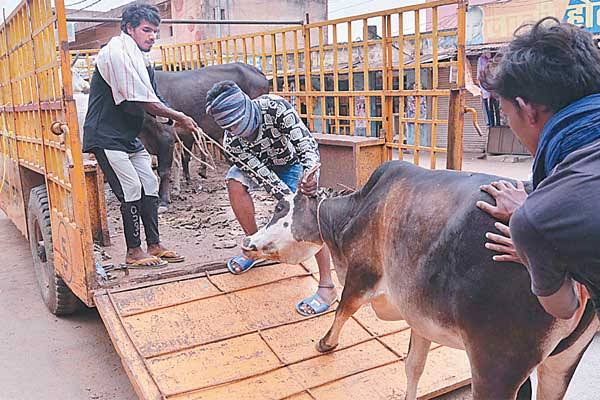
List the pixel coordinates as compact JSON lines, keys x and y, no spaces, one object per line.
{"x":191,"y":331}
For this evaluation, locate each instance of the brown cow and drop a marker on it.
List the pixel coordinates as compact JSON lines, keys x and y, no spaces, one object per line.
{"x":411,"y":243}
{"x":186,"y":91}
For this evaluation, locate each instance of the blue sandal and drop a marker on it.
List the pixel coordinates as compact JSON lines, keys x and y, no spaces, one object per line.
{"x":316,"y":303}
{"x":243,"y":262}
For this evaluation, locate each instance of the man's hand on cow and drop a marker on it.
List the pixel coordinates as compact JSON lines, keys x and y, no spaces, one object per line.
{"x":502,"y":244}
{"x":187,"y":123}
{"x":309,"y":187}
{"x":508,"y":198}
{"x":309,"y":184}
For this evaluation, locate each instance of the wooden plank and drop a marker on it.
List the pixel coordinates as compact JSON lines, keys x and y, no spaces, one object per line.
{"x":257,"y":276}
{"x":153,"y":297}
{"x":292,"y":347}
{"x":273,"y":385}
{"x":446,"y":370}
{"x":456,"y":122}
{"x":332,"y":366}
{"x":185,"y":326}
{"x":387,"y":382}
{"x":217,"y":363}
{"x":268,"y":306}
{"x":133,"y":363}
{"x":398,"y":342}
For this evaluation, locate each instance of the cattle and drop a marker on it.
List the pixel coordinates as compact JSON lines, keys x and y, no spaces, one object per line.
{"x":411,"y":243}
{"x":186,"y":91}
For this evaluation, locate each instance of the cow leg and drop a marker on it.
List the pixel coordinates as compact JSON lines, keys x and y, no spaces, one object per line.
{"x":165,"y":161}
{"x":202,"y":168}
{"x":499,"y":366}
{"x":415,"y":363}
{"x":177,"y":170}
{"x":555,"y":372}
{"x":185,"y":161}
{"x":349,"y":304}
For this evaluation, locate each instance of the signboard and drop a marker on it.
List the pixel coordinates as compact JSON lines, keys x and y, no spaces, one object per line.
{"x":584,"y":13}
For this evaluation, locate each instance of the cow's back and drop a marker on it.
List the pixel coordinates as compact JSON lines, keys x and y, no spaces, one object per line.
{"x":186,"y":90}
{"x":430,"y":237}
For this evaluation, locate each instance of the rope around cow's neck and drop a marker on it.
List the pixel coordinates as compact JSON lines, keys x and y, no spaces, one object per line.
{"x":237,"y":159}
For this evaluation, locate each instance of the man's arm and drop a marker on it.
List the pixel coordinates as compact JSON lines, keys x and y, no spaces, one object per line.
{"x":290,"y":124}
{"x":563,"y":303}
{"x":243,"y":159}
{"x":161,"y":110}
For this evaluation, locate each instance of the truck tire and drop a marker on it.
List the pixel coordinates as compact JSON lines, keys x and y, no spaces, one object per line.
{"x":57,"y":296}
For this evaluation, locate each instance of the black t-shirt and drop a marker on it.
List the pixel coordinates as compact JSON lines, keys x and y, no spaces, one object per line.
{"x":109,"y":126}
{"x":557,"y":230}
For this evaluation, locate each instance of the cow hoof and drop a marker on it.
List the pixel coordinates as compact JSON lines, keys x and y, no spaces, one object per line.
{"x":322,"y":347}
{"x":162,"y":209}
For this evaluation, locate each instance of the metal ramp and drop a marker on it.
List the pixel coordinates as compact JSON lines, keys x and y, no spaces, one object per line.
{"x":223,"y":336}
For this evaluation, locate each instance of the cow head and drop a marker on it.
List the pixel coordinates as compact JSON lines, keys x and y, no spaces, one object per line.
{"x":292,"y":235}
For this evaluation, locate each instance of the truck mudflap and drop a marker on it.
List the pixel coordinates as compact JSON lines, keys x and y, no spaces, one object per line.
{"x":215,"y":335}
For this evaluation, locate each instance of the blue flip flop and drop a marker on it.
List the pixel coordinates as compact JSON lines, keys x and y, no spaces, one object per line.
{"x":316,"y":303}
{"x":244,"y":262}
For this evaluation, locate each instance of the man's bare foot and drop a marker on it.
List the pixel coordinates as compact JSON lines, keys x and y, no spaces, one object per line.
{"x":139,"y":257}
{"x":158,"y":250}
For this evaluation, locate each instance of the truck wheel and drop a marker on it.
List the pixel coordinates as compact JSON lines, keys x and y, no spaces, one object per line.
{"x":57,"y":296}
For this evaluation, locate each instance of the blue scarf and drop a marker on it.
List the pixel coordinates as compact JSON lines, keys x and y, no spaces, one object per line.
{"x":233,"y":110}
{"x":573,"y":127}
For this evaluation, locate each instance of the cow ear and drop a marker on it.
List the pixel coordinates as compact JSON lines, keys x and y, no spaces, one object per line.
{"x":311,"y":174}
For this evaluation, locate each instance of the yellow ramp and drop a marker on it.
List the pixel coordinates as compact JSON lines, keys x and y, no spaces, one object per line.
{"x":224,"y":336}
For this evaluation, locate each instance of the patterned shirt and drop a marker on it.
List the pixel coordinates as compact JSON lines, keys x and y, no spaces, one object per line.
{"x":282,"y":140}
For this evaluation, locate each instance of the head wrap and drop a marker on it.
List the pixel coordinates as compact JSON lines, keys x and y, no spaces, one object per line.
{"x":234,"y":111}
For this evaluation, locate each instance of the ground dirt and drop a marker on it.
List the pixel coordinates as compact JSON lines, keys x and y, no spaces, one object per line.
{"x":72,"y":358}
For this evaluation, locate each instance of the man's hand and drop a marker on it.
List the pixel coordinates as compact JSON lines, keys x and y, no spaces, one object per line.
{"x":508,"y":199}
{"x":309,"y":184}
{"x":502,"y":244}
{"x":186,"y":123}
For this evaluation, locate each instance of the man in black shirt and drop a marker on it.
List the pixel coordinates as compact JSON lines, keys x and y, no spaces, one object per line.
{"x":548,"y":82}
{"x":122,"y":94}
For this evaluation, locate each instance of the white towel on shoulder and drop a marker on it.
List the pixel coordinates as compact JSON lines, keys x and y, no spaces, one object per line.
{"x":123,"y":66}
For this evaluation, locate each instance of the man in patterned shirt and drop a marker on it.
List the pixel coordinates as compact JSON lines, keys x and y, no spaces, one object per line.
{"x":267,"y":135}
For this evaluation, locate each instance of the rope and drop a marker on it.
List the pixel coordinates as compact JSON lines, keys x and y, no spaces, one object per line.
{"x":319,"y":219}
{"x":237,"y":159}
{"x":192,"y":154}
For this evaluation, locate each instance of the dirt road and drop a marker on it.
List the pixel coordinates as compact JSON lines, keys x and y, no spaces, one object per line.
{"x":45,"y":357}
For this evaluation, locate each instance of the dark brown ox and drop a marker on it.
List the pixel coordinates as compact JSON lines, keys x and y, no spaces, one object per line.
{"x":411,"y":243}
{"x":186,"y":91}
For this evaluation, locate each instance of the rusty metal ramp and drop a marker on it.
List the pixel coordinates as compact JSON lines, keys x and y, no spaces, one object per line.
{"x":223,"y":336}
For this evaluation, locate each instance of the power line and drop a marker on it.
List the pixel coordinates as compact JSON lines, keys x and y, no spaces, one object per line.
{"x":350,"y":6}
{"x":86,"y":7}
{"x":77,"y":2}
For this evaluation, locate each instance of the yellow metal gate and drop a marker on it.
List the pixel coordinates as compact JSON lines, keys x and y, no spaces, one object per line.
{"x":35,"y":88}
{"x":375,"y":74}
